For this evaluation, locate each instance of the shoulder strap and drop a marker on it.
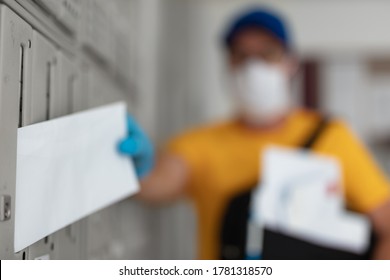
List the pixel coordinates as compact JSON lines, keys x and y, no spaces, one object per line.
{"x":315,"y":135}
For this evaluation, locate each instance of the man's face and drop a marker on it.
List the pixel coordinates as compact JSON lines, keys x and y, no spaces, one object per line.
{"x":255,"y":43}
{"x":261,"y":69}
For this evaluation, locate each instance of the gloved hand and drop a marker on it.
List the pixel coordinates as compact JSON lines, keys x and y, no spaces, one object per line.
{"x":139,"y":147}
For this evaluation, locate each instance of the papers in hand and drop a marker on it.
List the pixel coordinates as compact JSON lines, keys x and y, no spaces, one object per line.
{"x":301,"y":194}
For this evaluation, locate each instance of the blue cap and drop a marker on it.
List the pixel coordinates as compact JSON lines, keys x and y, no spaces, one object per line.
{"x":261,"y":18}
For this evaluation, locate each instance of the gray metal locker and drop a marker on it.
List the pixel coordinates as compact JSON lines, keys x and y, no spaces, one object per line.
{"x":42,"y":88}
{"x":69,"y":242}
{"x":43,"y":78}
{"x":62,"y":100}
{"x":52,"y":66}
{"x":80,"y":97}
{"x":15,"y":70}
{"x":52,"y":6}
{"x":102,"y":90}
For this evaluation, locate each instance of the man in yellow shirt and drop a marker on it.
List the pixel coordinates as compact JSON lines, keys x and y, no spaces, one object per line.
{"x":216,"y":163}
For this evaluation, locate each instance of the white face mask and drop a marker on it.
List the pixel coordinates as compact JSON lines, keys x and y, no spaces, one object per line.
{"x":261,"y":92}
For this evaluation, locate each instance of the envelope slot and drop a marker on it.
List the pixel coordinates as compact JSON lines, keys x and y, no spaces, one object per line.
{"x":21,"y":81}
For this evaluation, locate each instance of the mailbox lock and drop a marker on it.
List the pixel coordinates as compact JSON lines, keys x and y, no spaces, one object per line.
{"x":5,"y":207}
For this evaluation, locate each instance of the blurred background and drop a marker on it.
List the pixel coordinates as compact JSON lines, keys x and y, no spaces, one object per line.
{"x":170,"y":61}
{"x":345,"y":71}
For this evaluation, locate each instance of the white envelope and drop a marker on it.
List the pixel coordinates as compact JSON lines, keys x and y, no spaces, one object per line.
{"x":301,"y":194}
{"x":68,"y":168}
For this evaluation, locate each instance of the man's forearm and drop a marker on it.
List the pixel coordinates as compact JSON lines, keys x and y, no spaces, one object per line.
{"x":382,"y":249}
{"x":380,"y":218}
{"x":166,"y":182}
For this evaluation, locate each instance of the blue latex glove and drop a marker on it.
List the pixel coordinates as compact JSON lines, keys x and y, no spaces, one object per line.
{"x":139,"y":147}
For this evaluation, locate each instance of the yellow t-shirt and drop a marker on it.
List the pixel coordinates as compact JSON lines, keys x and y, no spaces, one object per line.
{"x":224,"y":161}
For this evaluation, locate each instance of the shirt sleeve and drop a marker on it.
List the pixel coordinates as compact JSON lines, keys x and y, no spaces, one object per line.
{"x":366,"y":185}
